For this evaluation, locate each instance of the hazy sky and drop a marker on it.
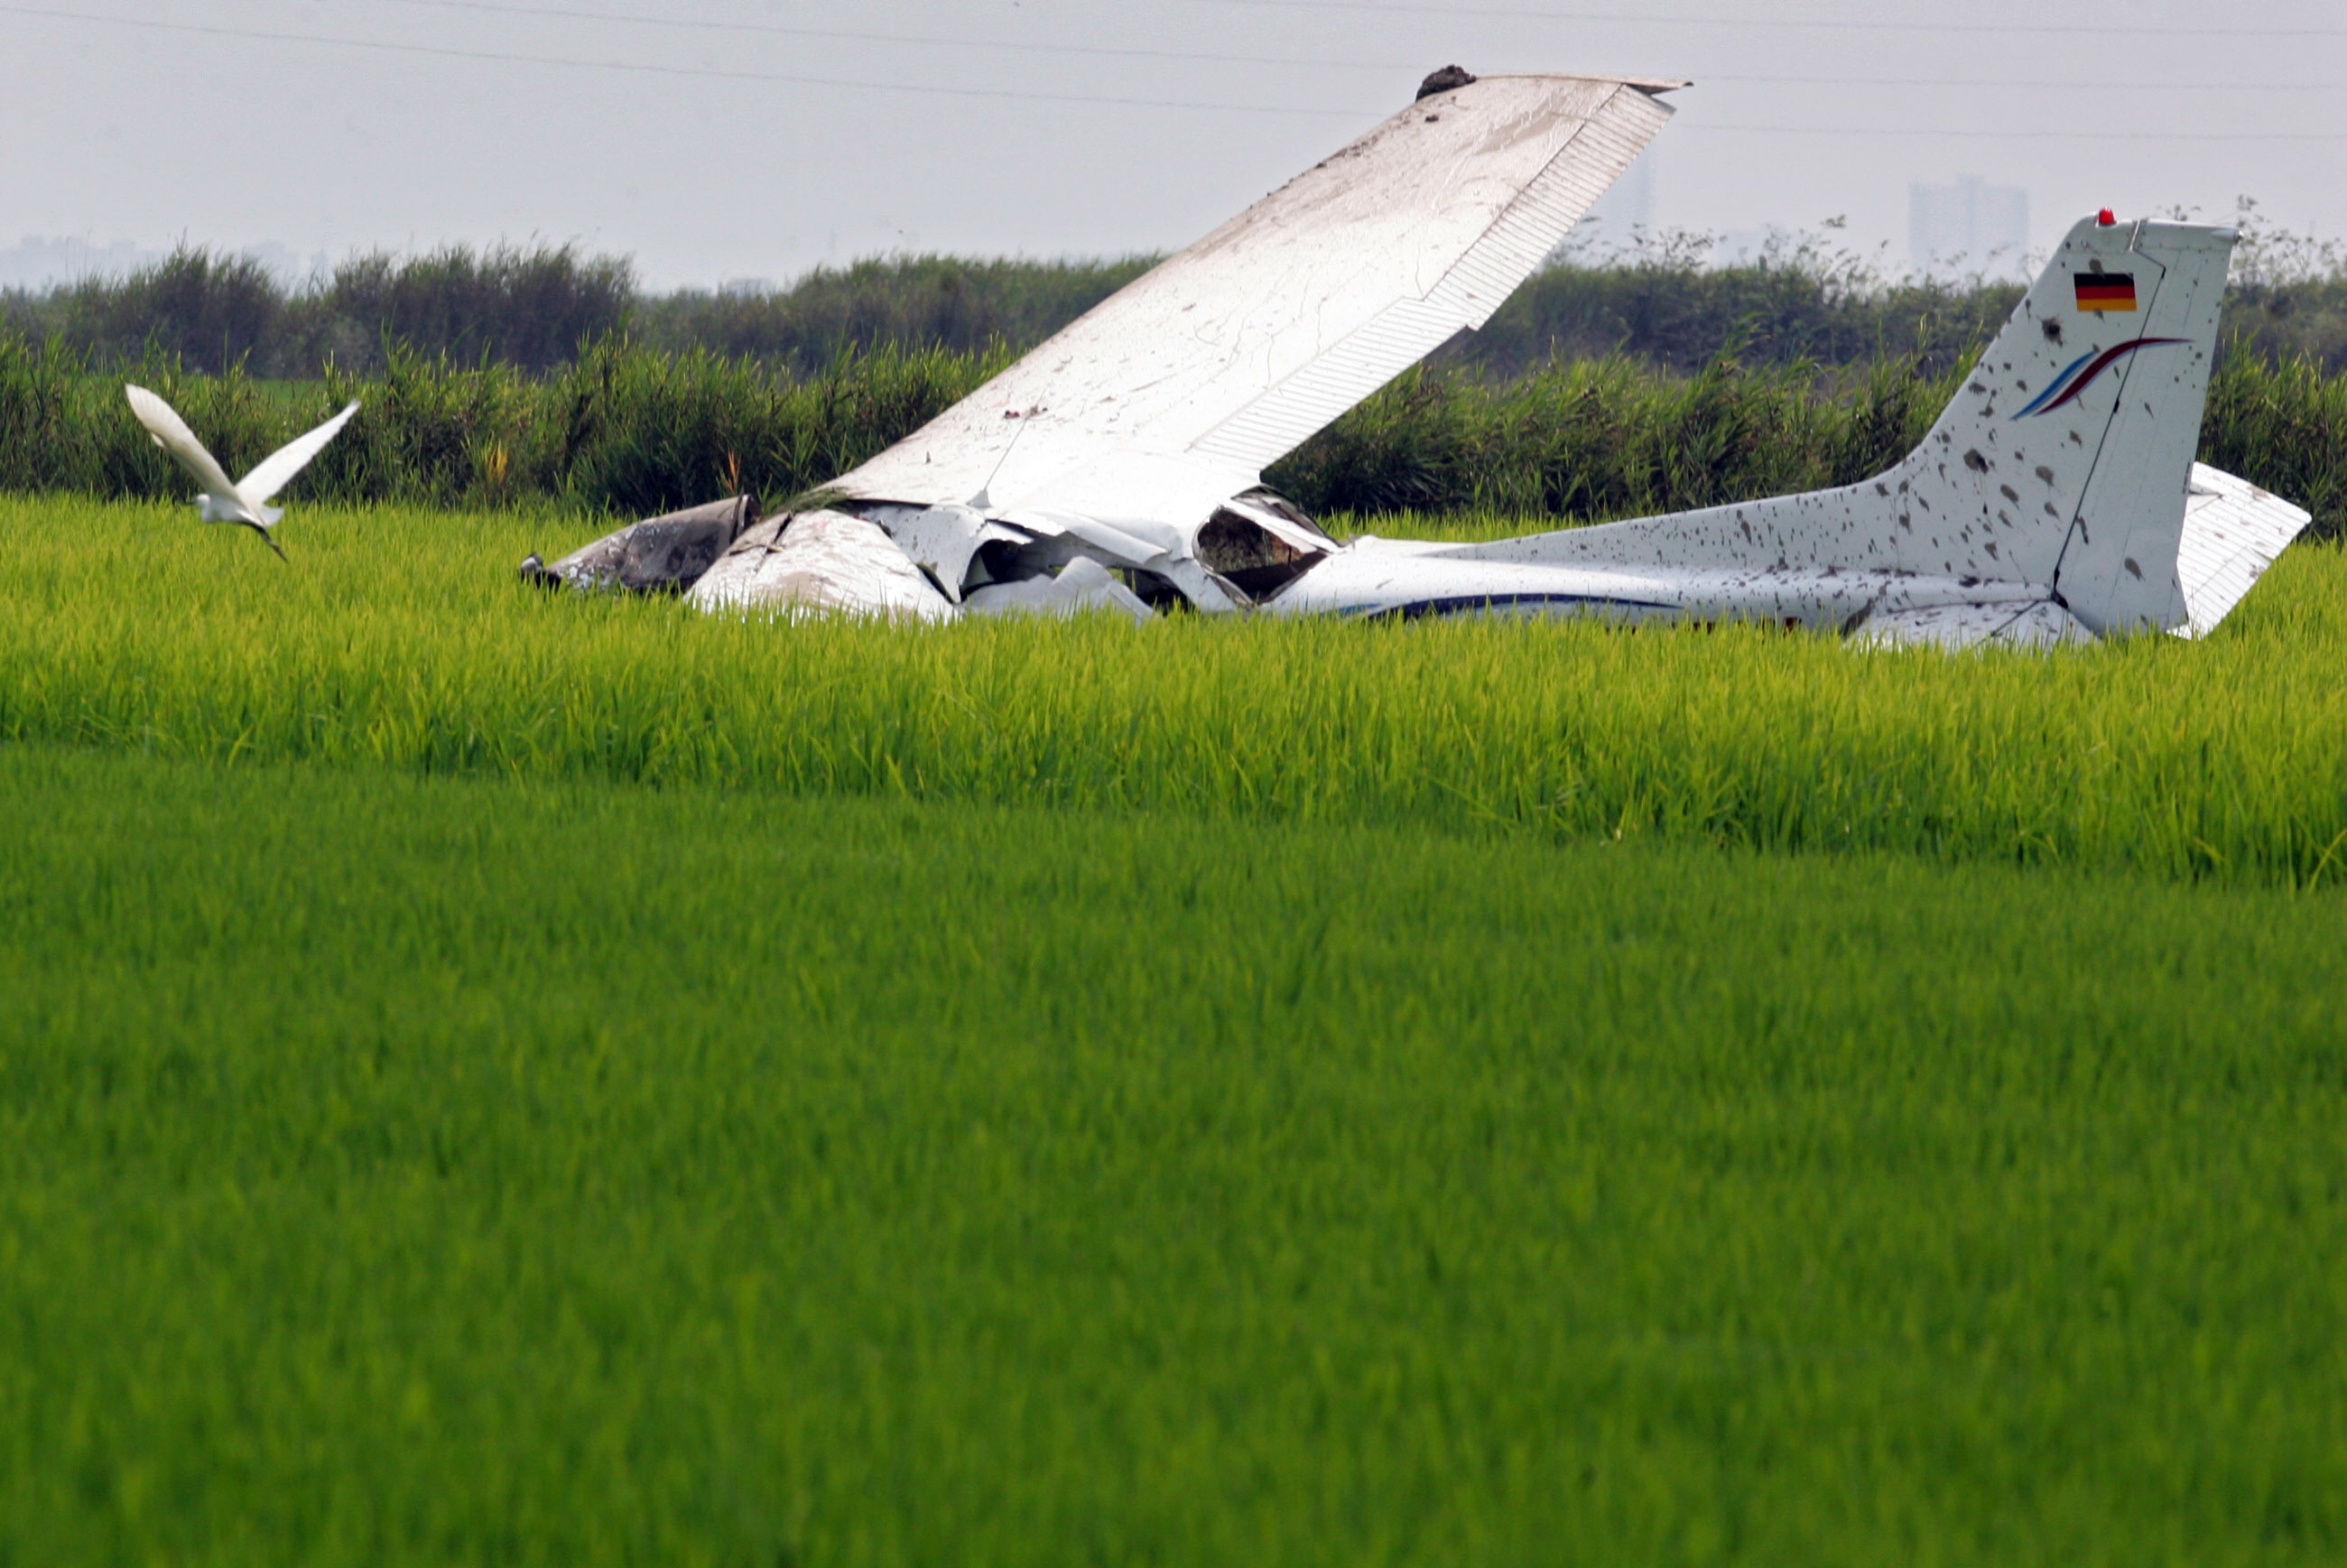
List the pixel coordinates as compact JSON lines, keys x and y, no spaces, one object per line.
{"x":724,"y":139}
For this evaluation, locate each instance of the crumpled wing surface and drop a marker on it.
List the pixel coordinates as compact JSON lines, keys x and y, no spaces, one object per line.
{"x":819,"y":563}
{"x":1175,"y":392}
{"x":274,"y":472}
{"x":171,"y":433}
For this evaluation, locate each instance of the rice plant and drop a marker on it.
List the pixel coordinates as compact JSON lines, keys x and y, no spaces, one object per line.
{"x":480,"y":1172}
{"x":404,"y":638}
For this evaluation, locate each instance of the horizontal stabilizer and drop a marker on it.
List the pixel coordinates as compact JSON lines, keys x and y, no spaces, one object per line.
{"x":2232,"y":532}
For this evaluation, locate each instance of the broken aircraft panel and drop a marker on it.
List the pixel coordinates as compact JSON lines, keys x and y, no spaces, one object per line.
{"x":2232,"y":533}
{"x":1083,"y":584}
{"x":663,"y":554}
{"x":1120,"y":464}
{"x":819,"y":562}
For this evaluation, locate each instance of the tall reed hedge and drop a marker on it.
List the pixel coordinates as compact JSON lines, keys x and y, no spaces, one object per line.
{"x":623,"y":430}
{"x":1802,"y":299}
{"x":947,"y":301}
{"x":531,"y":307}
{"x":627,"y":431}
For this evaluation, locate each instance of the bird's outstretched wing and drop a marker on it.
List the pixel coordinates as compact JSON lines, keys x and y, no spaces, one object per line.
{"x":274,"y":472}
{"x":171,"y":433}
{"x":1176,"y":392}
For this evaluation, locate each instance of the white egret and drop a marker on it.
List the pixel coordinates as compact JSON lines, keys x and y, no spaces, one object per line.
{"x":246,"y":500}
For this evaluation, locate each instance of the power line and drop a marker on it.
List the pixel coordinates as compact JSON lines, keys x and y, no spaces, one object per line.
{"x":794,"y":79}
{"x":857,"y":36}
{"x":489,"y":8}
{"x":2067,"y":135}
{"x":1650,"y":20}
{"x":2036,"y":83}
{"x":440,"y":52}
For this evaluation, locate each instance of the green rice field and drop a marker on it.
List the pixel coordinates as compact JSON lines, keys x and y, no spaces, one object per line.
{"x":497,"y":1078}
{"x":403,"y":639}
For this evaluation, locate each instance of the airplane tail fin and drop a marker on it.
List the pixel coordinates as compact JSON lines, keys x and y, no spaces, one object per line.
{"x":2056,"y":474}
{"x":2066,"y":458}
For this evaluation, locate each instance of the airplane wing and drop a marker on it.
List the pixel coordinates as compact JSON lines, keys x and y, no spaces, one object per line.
{"x":1173,"y":394}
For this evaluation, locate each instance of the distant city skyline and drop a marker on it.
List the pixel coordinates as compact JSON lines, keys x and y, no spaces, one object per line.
{"x":42,"y":262}
{"x":722,"y":139}
{"x":1968,"y":228}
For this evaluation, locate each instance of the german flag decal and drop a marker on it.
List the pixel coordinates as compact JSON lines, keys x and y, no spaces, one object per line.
{"x":2105,"y":291}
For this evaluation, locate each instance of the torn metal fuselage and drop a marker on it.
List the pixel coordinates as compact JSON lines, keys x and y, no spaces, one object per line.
{"x":871,"y":555}
{"x":1258,"y":553}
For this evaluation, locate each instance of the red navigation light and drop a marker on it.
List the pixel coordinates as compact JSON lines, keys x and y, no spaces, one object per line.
{"x":2106,"y":218}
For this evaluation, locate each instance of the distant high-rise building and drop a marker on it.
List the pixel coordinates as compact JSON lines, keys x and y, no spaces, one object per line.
{"x":1969,"y":227}
{"x":37,"y":263}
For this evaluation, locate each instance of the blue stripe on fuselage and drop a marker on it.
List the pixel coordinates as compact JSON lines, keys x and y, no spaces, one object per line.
{"x":1468,"y":604}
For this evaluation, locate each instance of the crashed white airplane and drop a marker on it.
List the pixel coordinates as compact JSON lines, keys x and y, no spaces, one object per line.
{"x":1120,"y":462}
